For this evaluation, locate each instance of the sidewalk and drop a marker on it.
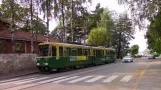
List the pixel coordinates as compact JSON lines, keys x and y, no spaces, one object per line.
{"x":151,"y":79}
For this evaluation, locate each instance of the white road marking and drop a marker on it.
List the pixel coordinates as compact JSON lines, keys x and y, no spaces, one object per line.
{"x":9,"y":80}
{"x":126,"y":78}
{"x":110,"y":79}
{"x":31,"y":80}
{"x":66,"y":79}
{"x":95,"y":79}
{"x":51,"y":80}
{"x":18,"y":81}
{"x":87,"y":71}
{"x":79,"y":79}
{"x":21,"y":87}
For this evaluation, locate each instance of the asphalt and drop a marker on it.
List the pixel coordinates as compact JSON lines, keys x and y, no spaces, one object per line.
{"x":142,"y":74}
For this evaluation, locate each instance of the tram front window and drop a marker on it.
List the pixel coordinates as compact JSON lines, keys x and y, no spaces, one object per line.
{"x":44,"y":50}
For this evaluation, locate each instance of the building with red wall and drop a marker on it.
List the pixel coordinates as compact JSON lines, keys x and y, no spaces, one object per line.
{"x":22,"y":40}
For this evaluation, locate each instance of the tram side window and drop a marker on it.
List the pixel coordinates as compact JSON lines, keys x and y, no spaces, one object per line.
{"x":110,"y":52}
{"x":68,"y":51}
{"x":94,"y":52}
{"x":79,"y":51}
{"x":60,"y":51}
{"x":89,"y":52}
{"x":99,"y":53}
{"x":53,"y":51}
{"x":85,"y":52}
{"x":102,"y":52}
{"x":73,"y":52}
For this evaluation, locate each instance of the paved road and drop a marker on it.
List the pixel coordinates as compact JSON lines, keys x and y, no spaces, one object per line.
{"x":115,"y":76}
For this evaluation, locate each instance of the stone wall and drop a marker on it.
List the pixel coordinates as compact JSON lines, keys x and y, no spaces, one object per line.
{"x":17,"y":64}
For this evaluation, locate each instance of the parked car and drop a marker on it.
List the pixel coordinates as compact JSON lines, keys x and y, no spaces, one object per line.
{"x":151,"y":57}
{"x":127,"y":59}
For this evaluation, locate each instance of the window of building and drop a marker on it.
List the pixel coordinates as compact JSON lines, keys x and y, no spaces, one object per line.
{"x":3,"y":48}
{"x":20,"y":47}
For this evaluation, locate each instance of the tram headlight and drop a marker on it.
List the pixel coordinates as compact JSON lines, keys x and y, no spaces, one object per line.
{"x":38,"y":64}
{"x":45,"y":63}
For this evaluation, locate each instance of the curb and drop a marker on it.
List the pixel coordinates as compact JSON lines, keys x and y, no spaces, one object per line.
{"x":14,"y":75}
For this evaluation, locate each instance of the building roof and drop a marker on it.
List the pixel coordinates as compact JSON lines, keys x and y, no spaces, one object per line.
{"x":22,"y":35}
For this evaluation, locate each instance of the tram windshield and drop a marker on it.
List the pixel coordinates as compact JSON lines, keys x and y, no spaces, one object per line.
{"x":44,"y":50}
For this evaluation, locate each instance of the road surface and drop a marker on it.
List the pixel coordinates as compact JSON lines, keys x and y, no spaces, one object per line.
{"x":114,"y":76}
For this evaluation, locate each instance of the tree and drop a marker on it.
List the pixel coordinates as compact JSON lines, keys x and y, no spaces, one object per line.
{"x":94,"y":17}
{"x":38,"y":27}
{"x":134,"y":50}
{"x":121,"y":34}
{"x":11,"y":6}
{"x":107,"y":23}
{"x":142,"y":10}
{"x":153,"y":34}
{"x":74,"y":20}
{"x":97,"y":37}
{"x":20,"y":13}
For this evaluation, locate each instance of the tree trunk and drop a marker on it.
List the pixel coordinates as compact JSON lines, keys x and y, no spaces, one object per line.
{"x":72,"y":23}
{"x":47,"y":7}
{"x":62,"y":10}
{"x":31,"y":27}
{"x":118,"y":51}
{"x":119,"y":48}
{"x":12,"y":26}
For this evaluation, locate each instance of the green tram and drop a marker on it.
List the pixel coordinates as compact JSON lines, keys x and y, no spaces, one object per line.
{"x":62,"y":56}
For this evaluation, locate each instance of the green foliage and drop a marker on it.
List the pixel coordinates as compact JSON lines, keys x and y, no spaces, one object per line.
{"x":107,"y":23}
{"x":95,"y":17}
{"x":134,"y":50}
{"x":97,"y":37}
{"x":153,"y":34}
{"x":38,"y":27}
{"x":19,"y":12}
{"x":121,"y":34}
{"x":141,"y":10}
